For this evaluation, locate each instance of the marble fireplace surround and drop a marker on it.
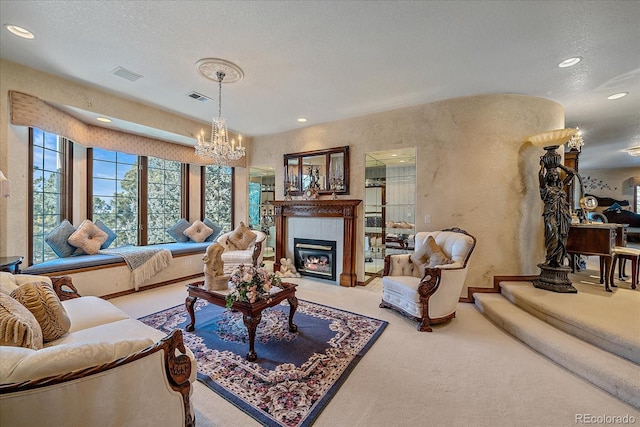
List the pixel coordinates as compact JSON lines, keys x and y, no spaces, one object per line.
{"x":341,"y":208}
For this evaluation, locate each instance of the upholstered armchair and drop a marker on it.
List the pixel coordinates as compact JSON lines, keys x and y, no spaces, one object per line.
{"x":426,"y":284}
{"x":242,"y":246}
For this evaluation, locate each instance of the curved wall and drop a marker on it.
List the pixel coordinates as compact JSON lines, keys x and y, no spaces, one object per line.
{"x":474,"y":170}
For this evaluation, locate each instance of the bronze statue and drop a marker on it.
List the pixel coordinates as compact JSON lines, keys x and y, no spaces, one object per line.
{"x":557,"y":212}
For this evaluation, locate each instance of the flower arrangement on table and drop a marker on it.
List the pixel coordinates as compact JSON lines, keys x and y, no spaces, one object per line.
{"x":251,"y":284}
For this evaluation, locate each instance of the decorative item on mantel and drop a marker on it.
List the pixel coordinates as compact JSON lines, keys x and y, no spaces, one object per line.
{"x":557,"y":211}
{"x":314,"y":184}
{"x":217,"y":147}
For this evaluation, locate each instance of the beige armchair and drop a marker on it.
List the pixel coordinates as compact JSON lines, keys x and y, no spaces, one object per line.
{"x":233,"y":256}
{"x":427,"y":284}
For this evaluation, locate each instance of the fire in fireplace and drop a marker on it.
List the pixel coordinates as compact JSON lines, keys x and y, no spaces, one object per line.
{"x":316,"y":258}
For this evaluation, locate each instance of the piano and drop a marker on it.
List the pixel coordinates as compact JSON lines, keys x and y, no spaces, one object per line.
{"x":597,"y":239}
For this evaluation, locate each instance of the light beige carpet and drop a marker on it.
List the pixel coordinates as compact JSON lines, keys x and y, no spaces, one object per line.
{"x":466,"y":373}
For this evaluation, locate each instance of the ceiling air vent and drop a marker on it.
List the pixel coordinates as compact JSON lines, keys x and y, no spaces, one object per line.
{"x":127,"y":74}
{"x":198,"y":97}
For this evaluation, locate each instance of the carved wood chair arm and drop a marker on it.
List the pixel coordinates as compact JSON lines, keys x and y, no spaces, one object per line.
{"x":63,"y":286}
{"x":429,"y":283}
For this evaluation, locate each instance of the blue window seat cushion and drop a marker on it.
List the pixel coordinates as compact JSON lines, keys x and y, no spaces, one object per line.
{"x":72,"y":263}
{"x":185,"y":248}
{"x":87,"y":261}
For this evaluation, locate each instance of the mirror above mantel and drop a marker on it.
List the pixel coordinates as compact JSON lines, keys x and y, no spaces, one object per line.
{"x":327,"y":170}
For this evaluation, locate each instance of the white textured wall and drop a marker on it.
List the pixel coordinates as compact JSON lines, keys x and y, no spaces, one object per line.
{"x":612,"y":183}
{"x":474,"y":170}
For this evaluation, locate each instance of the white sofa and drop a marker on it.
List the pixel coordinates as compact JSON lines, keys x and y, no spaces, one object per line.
{"x":430,"y":297}
{"x":108,"y":370}
{"x":252,"y":255}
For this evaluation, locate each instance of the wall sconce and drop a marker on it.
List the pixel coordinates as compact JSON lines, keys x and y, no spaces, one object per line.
{"x":5,"y":186}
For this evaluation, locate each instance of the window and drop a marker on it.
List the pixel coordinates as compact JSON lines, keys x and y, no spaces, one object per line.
{"x":50,"y":188}
{"x":637,"y":198}
{"x":114,"y":184}
{"x":137,"y":197}
{"x":217,"y":195}
{"x":164,"y":198}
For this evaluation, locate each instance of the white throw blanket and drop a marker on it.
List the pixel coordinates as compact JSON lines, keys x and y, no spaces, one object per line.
{"x":143,"y":261}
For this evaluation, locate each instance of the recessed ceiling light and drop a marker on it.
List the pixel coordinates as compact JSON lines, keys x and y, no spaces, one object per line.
{"x":394,"y":155}
{"x":617,"y":95}
{"x":19,"y":31}
{"x":569,"y":62}
{"x":302,"y":120}
{"x":103,"y":119}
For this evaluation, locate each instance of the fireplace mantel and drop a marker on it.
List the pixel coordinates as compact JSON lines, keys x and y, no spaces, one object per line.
{"x":340,"y":208}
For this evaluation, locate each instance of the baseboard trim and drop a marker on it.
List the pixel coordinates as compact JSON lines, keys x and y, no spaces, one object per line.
{"x":496,"y":286}
{"x":153,"y":286}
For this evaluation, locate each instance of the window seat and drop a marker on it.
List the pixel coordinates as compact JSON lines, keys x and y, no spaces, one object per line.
{"x":88,"y":275}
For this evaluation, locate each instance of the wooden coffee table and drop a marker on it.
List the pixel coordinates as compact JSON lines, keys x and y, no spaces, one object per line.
{"x":251,"y":313}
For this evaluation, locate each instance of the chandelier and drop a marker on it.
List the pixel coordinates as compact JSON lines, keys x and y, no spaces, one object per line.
{"x":576,"y":142}
{"x":217,"y":146}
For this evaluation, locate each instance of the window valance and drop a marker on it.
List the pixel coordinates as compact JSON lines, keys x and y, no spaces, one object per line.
{"x":28,"y":110}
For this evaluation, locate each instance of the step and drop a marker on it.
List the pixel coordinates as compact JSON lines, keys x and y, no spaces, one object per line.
{"x":585,"y":315}
{"x":614,"y":374}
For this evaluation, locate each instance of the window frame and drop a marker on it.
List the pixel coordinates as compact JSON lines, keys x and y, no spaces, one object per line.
{"x":66,"y":188}
{"x":203,"y":201}
{"x":143,"y":182}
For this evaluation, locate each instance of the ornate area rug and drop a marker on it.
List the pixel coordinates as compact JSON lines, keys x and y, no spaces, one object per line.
{"x":296,"y":373}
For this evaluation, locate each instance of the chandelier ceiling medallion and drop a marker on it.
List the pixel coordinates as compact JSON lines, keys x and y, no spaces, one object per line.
{"x":217,"y":147}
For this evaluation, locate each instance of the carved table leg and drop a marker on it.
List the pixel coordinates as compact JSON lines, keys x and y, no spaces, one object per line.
{"x":293,"y":305}
{"x":608,"y":274}
{"x":189,"y":302}
{"x":252,"y":324}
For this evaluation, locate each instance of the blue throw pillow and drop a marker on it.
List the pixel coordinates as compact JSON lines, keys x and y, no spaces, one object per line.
{"x":614,"y":208}
{"x":111,"y":235}
{"x":58,"y":237}
{"x":177,"y":230}
{"x":215,"y":227}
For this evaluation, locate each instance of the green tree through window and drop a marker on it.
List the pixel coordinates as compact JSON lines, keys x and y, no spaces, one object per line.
{"x":115,"y":194}
{"x":48,"y":192}
{"x":218,"y":201}
{"x":164,"y":198}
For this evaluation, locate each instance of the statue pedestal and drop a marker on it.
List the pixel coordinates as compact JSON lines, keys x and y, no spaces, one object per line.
{"x":219,"y":283}
{"x":554,"y":279}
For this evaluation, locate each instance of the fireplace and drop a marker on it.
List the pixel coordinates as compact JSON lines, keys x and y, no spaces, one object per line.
{"x":315,"y":258}
{"x":345,"y":209}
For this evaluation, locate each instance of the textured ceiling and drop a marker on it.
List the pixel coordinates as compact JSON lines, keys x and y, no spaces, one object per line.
{"x":333,"y":60}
